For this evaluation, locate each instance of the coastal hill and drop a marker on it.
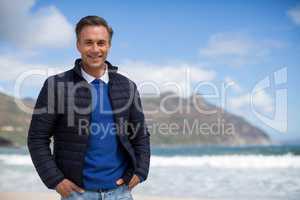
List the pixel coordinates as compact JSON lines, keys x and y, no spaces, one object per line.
{"x":171,"y":120}
{"x":195,"y":121}
{"x":14,"y":122}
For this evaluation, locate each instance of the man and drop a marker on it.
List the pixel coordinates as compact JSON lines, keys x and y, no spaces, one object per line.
{"x":101,"y":144}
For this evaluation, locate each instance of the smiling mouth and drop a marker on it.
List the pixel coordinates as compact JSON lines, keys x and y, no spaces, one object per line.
{"x":94,"y":57}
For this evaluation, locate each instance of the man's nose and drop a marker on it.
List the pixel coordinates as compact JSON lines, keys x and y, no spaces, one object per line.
{"x":95,"y":47}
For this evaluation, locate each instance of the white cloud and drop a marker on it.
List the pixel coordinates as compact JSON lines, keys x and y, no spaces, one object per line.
{"x":238,"y":102}
{"x":261,"y":102}
{"x":13,"y":67}
{"x":236,"y":49}
{"x":18,"y":73}
{"x":177,"y":77}
{"x":47,"y":27}
{"x":230,"y":83}
{"x":294,"y":14}
{"x":221,"y":44}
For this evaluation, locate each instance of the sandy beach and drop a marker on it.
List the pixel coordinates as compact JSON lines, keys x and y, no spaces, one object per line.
{"x":55,"y":196}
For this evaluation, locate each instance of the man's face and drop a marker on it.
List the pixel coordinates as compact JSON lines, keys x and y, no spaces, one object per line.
{"x":93,"y":45}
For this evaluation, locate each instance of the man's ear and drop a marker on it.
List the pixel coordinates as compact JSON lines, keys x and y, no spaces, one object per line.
{"x":109,"y":47}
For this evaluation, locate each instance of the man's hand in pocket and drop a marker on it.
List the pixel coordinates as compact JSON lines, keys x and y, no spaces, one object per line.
{"x":65,"y":187}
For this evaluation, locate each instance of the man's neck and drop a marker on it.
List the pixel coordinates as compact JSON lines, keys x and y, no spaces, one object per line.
{"x":96,"y":72}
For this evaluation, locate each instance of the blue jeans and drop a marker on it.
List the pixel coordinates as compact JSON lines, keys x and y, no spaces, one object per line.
{"x":120,"y":193}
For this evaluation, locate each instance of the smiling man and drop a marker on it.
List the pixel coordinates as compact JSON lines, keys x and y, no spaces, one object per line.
{"x":101,"y":147}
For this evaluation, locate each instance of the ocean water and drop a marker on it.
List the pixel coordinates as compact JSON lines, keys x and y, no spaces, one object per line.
{"x":267,"y":172}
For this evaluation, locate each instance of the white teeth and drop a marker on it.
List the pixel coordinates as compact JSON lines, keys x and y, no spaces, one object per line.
{"x":93,"y":57}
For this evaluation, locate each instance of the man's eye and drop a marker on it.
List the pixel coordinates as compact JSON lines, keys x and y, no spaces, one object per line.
{"x":89,"y":43}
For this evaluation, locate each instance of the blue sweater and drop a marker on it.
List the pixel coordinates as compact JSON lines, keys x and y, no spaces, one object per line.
{"x":105,"y":161}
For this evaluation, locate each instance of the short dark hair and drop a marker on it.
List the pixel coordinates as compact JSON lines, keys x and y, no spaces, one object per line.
{"x":93,"y":20}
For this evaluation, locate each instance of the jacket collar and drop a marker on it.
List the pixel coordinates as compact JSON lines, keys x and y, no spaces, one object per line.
{"x":111,"y":69}
{"x":89,"y":78}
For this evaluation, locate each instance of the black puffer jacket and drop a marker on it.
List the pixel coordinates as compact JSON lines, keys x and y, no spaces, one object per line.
{"x":63,"y":111}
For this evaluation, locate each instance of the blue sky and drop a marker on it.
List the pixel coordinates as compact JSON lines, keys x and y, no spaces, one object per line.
{"x":236,"y":42}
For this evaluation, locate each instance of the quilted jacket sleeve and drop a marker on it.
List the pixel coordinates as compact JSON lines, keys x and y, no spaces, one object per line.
{"x":39,"y":134}
{"x":140,"y":138}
